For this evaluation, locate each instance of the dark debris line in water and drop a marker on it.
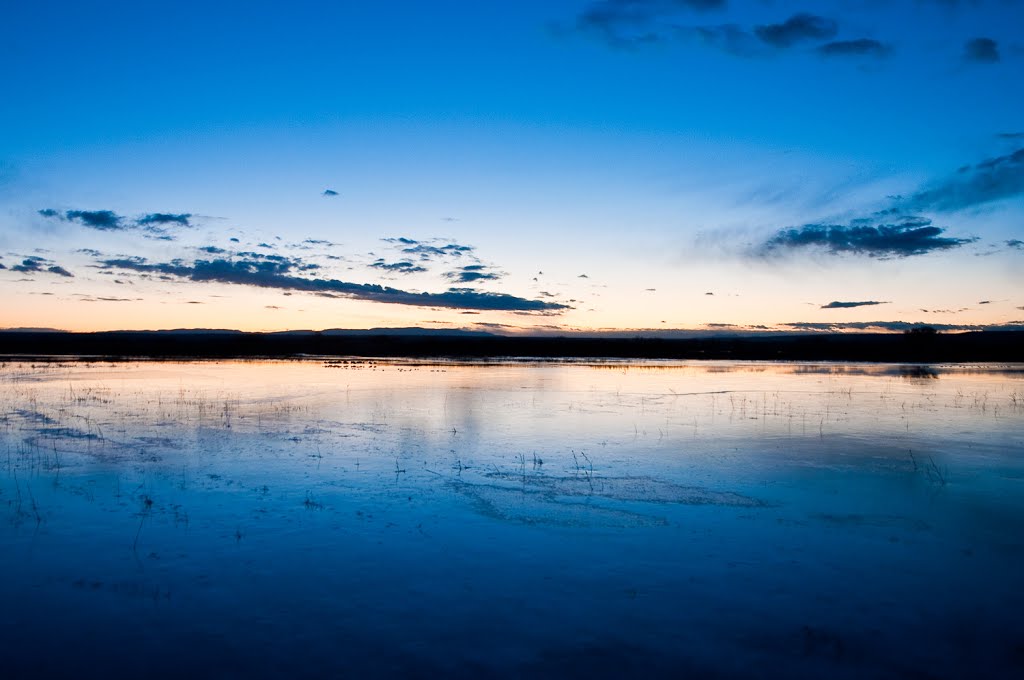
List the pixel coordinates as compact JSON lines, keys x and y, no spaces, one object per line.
{"x":268,"y":519}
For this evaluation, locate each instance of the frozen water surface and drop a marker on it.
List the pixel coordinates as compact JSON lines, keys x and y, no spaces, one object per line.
{"x":602,"y":519}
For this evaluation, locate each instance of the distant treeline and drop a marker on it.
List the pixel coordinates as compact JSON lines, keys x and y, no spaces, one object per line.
{"x":1001,"y":346}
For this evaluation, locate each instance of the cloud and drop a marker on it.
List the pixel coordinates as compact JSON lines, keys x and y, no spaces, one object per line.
{"x":1010,"y":135}
{"x":401,"y":267}
{"x":981,"y":51}
{"x":897,"y":326}
{"x":472,"y":273}
{"x":38,"y":265}
{"x":915,"y":236}
{"x":628,"y":23}
{"x":798,"y":28}
{"x":108,"y":220}
{"x":899,"y":230}
{"x":330,"y":192}
{"x":836,"y":304}
{"x":104,"y":220}
{"x":851,"y":48}
{"x":726,"y":37}
{"x":612,"y":14}
{"x":1016,"y":244}
{"x":425,"y":251}
{"x":990,"y":180}
{"x":160,"y":219}
{"x":213,"y":250}
{"x":272,"y":274}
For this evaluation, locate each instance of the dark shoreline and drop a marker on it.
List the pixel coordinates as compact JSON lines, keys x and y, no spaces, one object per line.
{"x":983,"y":346}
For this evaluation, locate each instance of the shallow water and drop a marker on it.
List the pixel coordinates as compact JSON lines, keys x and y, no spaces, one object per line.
{"x":371,"y":519}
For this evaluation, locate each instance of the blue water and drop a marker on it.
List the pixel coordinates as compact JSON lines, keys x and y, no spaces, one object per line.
{"x":399,"y":519}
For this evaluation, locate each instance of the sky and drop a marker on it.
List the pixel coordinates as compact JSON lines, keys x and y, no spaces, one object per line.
{"x":529,"y":166}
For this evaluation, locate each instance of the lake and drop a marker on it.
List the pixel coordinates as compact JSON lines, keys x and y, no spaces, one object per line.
{"x":328,"y":518}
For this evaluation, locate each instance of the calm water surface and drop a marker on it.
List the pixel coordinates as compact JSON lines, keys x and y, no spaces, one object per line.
{"x":376,"y":519}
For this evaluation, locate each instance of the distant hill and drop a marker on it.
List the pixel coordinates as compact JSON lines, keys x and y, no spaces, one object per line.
{"x":1001,"y":346}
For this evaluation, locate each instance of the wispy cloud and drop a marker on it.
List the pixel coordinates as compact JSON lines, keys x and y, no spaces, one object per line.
{"x":851,"y":48}
{"x":836,"y":304}
{"x":992,"y":179}
{"x":900,"y":230}
{"x":897,"y":326}
{"x":798,"y":28}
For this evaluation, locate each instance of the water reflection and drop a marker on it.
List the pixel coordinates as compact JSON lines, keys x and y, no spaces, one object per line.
{"x":512,"y":518}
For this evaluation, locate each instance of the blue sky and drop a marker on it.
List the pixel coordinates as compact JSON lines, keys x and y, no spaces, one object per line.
{"x":549,"y":165}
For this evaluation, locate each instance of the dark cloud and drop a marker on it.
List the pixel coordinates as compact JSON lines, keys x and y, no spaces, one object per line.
{"x":798,"y":28}
{"x":426,"y":251}
{"x":981,"y":51}
{"x":266,"y":274}
{"x":401,"y":267}
{"x":898,"y":231}
{"x":163,"y":219}
{"x":991,"y":180}
{"x":1016,"y":244}
{"x":108,"y":220}
{"x":472,"y":273}
{"x":984,"y":302}
{"x":915,"y":236}
{"x":104,"y":220}
{"x":330,"y":192}
{"x":38,"y":265}
{"x":213,"y":250}
{"x":852,"y":48}
{"x":1010,"y":135}
{"x":91,"y":252}
{"x":836,"y":304}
